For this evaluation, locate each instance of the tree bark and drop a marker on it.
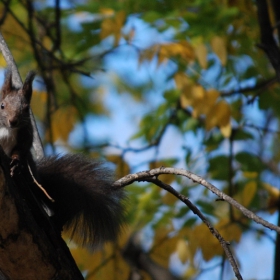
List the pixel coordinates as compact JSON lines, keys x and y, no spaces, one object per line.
{"x":30,"y":247}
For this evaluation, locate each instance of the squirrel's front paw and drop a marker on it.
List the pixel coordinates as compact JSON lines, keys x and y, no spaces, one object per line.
{"x":14,"y":166}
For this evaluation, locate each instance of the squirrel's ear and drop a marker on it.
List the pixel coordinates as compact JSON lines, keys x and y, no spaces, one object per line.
{"x":27,"y":85}
{"x":7,"y":86}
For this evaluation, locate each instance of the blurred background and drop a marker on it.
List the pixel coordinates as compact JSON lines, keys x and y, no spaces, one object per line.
{"x":144,"y":84}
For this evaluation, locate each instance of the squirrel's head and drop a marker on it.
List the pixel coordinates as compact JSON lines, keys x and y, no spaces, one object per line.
{"x":14,"y":104}
{"x":25,"y":91}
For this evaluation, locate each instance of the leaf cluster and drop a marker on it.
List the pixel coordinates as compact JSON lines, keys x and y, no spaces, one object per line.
{"x":204,"y":97}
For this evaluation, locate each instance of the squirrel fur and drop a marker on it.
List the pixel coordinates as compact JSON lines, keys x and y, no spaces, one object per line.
{"x":85,"y":201}
{"x":16,"y":133}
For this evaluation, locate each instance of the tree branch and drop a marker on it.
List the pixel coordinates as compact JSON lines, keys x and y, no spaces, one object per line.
{"x":259,"y":86}
{"x":268,"y":43}
{"x":151,"y":174}
{"x":195,"y":210}
{"x":17,"y":82}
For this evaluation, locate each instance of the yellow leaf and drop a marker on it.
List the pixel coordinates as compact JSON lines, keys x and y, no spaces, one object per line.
{"x":226,"y":130}
{"x":182,"y":81}
{"x":273,"y":199}
{"x":182,"y":49}
{"x":250,"y":175}
{"x":197,"y":100}
{"x":273,"y":191}
{"x":107,"y":12}
{"x":103,"y":263}
{"x":63,"y":121}
{"x":219,"y":47}
{"x":192,"y":96}
{"x":38,"y":104}
{"x":184,"y":84}
{"x":47,"y":42}
{"x":201,"y":54}
{"x":113,"y":26}
{"x":228,"y":230}
{"x":201,"y":238}
{"x":212,"y":96}
{"x":248,"y":193}
{"x":184,"y":100}
{"x":2,"y":61}
{"x":122,"y":168}
{"x":219,"y":115}
{"x":169,"y":198}
{"x":163,"y":246}
{"x":186,"y":51}
{"x":190,"y":272}
{"x":182,"y":250}
{"x":203,"y":101}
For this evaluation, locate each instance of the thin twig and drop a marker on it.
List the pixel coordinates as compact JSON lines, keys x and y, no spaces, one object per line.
{"x":261,"y":86}
{"x":39,"y":185}
{"x":213,"y":230}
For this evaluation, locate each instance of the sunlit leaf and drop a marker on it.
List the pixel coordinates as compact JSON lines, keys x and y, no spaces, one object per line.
{"x":201,"y":54}
{"x":210,"y":246}
{"x":163,"y":244}
{"x":190,"y":272}
{"x":182,"y":250}
{"x":63,"y":123}
{"x":274,"y":197}
{"x":2,"y":61}
{"x":38,"y":104}
{"x":167,"y":51}
{"x":219,"y":115}
{"x":226,"y":130}
{"x":182,"y":49}
{"x":219,"y":47}
{"x":113,"y":26}
{"x":248,"y":193}
{"x":250,"y":175}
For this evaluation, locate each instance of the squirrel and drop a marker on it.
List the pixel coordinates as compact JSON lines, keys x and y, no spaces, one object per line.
{"x":84,"y":200}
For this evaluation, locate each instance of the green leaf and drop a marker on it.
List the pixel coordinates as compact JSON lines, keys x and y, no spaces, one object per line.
{"x":242,"y":135}
{"x":172,"y":95}
{"x":213,"y":141}
{"x":249,"y":162}
{"x":190,"y":222}
{"x":206,"y":207}
{"x":219,"y":167}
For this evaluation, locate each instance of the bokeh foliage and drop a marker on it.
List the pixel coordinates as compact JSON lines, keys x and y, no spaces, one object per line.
{"x":211,"y":91}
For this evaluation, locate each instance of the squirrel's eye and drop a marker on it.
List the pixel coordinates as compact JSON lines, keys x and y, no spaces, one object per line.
{"x":2,"y":106}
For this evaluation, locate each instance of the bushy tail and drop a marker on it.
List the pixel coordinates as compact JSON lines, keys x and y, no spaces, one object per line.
{"x":86,"y":204}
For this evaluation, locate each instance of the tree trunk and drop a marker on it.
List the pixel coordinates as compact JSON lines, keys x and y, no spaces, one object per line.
{"x":30,"y":247}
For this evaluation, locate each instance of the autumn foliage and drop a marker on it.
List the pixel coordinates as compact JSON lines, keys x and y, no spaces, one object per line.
{"x":144,"y":84}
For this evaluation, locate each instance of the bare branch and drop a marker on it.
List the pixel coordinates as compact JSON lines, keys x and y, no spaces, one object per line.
{"x":196,"y":211}
{"x":153,"y":173}
{"x":268,"y":43}
{"x":261,"y":86}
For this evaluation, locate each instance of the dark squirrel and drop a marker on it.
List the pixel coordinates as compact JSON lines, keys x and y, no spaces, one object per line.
{"x":85,"y":202}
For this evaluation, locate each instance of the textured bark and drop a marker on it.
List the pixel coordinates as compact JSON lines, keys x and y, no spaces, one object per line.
{"x":30,"y":248}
